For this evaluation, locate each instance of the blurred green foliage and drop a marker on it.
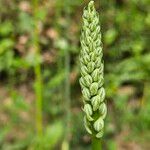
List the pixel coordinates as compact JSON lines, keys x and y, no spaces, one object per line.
{"x":126,"y":36}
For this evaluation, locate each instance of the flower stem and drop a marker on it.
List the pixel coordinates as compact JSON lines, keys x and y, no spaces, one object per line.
{"x":96,"y":144}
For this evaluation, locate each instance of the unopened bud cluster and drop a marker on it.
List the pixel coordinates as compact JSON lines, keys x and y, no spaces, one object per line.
{"x":92,"y":77}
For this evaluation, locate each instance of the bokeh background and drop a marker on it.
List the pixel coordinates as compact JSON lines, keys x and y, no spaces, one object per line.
{"x":40,"y":97}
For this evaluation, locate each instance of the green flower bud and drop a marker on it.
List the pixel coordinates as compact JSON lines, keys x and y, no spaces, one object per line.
{"x":94,"y":88}
{"x":98,"y":42}
{"x":93,"y":56}
{"x":103,"y":110}
{"x":94,"y":35}
{"x":84,"y":71}
{"x":95,"y":75}
{"x":100,"y":134}
{"x":99,"y":124}
{"x":86,"y":94}
{"x":98,"y":62}
{"x":101,"y":68}
{"x":99,"y":51}
{"x":88,"y":110}
{"x":85,"y":59}
{"x":90,"y":66}
{"x":101,"y":93}
{"x":101,"y":81}
{"x":95,"y":102}
{"x":98,"y":30}
{"x":81,"y":82}
{"x":87,"y":124}
{"x":87,"y":80}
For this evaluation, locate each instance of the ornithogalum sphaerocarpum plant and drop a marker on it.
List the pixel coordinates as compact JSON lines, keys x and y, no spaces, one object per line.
{"x":92,"y":73}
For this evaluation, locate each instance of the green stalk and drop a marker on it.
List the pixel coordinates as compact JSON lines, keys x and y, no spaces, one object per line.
{"x":37,"y":71}
{"x":96,"y":144}
{"x":92,"y":75}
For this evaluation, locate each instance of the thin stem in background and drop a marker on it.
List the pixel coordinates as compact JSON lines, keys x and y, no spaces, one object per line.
{"x":66,"y":143}
{"x":37,"y":71}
